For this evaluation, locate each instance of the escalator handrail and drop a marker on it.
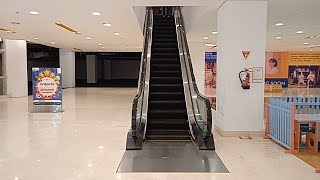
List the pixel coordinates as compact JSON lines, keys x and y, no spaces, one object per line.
{"x":144,"y":67}
{"x":193,"y":80}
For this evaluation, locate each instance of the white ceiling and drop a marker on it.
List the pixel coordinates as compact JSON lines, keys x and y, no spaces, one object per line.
{"x":295,"y":14}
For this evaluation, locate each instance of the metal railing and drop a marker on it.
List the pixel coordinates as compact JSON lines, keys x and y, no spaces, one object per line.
{"x":198,"y":106}
{"x":140,"y":101}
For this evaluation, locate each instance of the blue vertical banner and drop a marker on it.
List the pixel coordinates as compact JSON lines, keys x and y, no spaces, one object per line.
{"x":46,"y":86}
{"x":211,"y":57}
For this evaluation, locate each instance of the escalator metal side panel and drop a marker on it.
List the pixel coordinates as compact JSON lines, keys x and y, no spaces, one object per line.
{"x":206,"y":143}
{"x":136,"y":134}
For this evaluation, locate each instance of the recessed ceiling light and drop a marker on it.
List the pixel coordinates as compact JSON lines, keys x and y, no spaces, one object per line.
{"x":279,"y":24}
{"x":210,"y":45}
{"x":305,"y":43}
{"x":116,"y":33}
{"x":99,"y":50}
{"x":52,"y":42}
{"x":310,"y":50}
{"x":102,"y":47}
{"x":15,"y":23}
{"x":99,"y":44}
{"x":36,"y":38}
{"x":299,"y":32}
{"x":34,"y":12}
{"x":278,"y":37}
{"x":88,"y":38}
{"x":96,"y":13}
{"x":268,"y":50}
{"x":205,"y":38}
{"x":107,"y":24}
{"x":8,"y":31}
{"x":214,"y":32}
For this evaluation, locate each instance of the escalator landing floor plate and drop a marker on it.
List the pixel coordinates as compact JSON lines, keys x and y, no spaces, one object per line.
{"x":171,"y":157}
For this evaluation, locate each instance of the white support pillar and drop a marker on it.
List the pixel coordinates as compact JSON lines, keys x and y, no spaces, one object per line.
{"x":197,"y":53}
{"x":15,"y":57}
{"x":242,"y":26}
{"x":67,"y":64}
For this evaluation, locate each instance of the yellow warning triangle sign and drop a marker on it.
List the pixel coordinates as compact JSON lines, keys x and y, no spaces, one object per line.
{"x":246,"y":54}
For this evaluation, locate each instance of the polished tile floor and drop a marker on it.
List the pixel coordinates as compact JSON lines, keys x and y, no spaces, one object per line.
{"x":87,"y":142}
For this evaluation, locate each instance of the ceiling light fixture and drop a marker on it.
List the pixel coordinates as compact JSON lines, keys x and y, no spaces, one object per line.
{"x":311,"y":37}
{"x":205,"y":38}
{"x":299,"y":32}
{"x":305,"y":43}
{"x":88,"y":38}
{"x":36,"y":38}
{"x":99,"y":50}
{"x":7,"y":30}
{"x":15,"y":23}
{"x":100,"y":44}
{"x":77,"y":50}
{"x":52,"y":42}
{"x":107,"y":24}
{"x":34,"y":12}
{"x":210,"y":45}
{"x":96,"y":13}
{"x":102,"y":47}
{"x":214,"y":32}
{"x":279,"y":24}
{"x":67,"y":28}
{"x":116,"y":33}
{"x":278,"y":37}
{"x":310,"y":50}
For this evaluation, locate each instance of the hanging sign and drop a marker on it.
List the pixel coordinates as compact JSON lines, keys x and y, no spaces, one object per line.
{"x":47,"y":87}
{"x":246,"y":54}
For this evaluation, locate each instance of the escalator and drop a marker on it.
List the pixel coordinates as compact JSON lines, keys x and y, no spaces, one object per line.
{"x":167,"y":115}
{"x":168,"y":106}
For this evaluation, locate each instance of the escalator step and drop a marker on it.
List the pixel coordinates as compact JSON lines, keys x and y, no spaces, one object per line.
{"x":167,"y":114}
{"x":165,"y":124}
{"x":164,"y":45}
{"x":157,"y":40}
{"x":166,"y":73}
{"x":169,"y":137}
{"x":165,"y":50}
{"x":166,"y":87}
{"x":167,"y":35}
{"x":170,"y":55}
{"x":166,"y":31}
{"x":165,"y":67}
{"x":165,"y":60}
{"x":166,"y":80}
{"x":156,"y":104}
{"x":166,"y":96}
{"x":167,"y":131}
